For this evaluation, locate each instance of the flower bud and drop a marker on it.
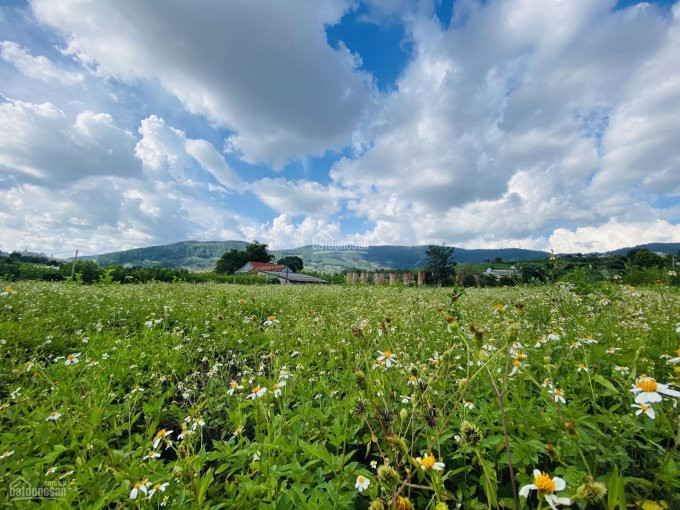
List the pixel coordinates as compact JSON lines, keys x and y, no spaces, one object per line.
{"x":591,"y":490}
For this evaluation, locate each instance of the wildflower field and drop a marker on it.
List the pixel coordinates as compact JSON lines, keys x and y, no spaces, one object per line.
{"x":226,"y":396}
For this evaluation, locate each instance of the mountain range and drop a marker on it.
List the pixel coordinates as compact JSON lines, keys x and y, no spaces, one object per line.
{"x":203,"y":255}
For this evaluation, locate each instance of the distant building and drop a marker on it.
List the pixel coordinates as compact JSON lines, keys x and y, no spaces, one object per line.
{"x":256,"y":267}
{"x":500,"y":273}
{"x":284,"y":274}
{"x":287,"y":277}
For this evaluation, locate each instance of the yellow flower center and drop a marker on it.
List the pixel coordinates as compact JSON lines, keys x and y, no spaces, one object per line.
{"x":69,"y":357}
{"x":544,"y":483}
{"x":157,"y":486}
{"x":361,"y":479}
{"x":160,"y":433}
{"x":270,"y":317}
{"x":558,"y":393}
{"x":647,"y":384}
{"x":428,"y":461}
{"x":256,"y":389}
{"x":412,"y":378}
{"x":516,"y":363}
{"x":582,"y":365}
{"x":644,"y":407}
{"x":276,"y":386}
{"x":387,"y":354}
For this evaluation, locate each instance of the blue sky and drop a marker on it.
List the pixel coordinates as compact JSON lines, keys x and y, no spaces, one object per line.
{"x":475,"y":123}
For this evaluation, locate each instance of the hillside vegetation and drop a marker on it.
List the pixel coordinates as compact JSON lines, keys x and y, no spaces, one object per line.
{"x":203,"y":256}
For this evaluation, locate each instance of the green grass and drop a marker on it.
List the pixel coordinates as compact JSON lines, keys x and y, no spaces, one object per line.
{"x":163,"y":356}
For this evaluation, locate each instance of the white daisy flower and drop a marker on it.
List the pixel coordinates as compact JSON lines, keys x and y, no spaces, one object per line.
{"x":362,"y":483}
{"x":387,"y":357}
{"x":257,"y":392}
{"x":151,"y":454}
{"x":234,"y":386}
{"x":558,"y":395}
{"x":138,"y":487}
{"x":158,"y":487}
{"x":648,"y":390}
{"x":429,"y":462}
{"x":53,"y":416}
{"x":644,"y":408}
{"x":161,"y":435}
{"x":72,"y":359}
{"x":277,"y":388}
{"x":547,"y":487}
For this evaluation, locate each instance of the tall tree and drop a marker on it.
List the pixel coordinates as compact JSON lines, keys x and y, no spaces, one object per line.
{"x":231,"y":261}
{"x":234,"y":259}
{"x":440,"y":262}
{"x":257,"y":252}
{"x":293,"y":262}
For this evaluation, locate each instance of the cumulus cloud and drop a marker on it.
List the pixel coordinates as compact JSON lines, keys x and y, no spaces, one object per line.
{"x":40,"y":67}
{"x":283,"y":232}
{"x":165,"y":150}
{"x":39,"y":143}
{"x":504,"y":129}
{"x":506,"y":125}
{"x":261,"y":69}
{"x":298,"y":197}
{"x":603,"y":237}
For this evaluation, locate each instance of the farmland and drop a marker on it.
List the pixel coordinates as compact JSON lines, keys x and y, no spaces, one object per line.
{"x":226,"y":396}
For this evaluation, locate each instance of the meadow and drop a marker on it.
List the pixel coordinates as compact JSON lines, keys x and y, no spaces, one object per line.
{"x":226,"y":396}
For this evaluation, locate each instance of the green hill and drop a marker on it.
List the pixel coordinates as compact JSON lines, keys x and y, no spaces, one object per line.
{"x":197,"y":255}
{"x":203,"y":255}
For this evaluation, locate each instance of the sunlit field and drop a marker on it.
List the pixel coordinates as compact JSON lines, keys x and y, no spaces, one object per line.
{"x":225,"y":396}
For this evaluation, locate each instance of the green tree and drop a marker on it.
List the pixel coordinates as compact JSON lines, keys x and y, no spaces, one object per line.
{"x":257,"y":252}
{"x":440,"y":262}
{"x":645,"y":258}
{"x":234,"y":259}
{"x":293,"y":262}
{"x":231,"y":261}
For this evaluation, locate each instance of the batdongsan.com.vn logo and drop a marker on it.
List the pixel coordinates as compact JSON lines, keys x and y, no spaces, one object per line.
{"x":20,"y":488}
{"x":324,"y":242}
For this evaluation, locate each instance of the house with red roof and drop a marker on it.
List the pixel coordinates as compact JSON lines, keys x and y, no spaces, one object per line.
{"x":256,"y":267}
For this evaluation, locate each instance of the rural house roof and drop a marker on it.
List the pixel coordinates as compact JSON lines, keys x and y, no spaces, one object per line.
{"x":256,"y":267}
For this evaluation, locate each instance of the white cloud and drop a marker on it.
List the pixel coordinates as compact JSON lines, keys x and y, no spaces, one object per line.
{"x":99,"y":214}
{"x":166,"y":150}
{"x":283,"y":232}
{"x":612,"y":235}
{"x":504,"y":130}
{"x":40,"y":68}
{"x":203,"y":152}
{"x":262,"y":69}
{"x":39,"y":143}
{"x":298,"y":197}
{"x":506,"y":125}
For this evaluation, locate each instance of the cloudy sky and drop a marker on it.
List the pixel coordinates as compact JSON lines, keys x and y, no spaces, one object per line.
{"x":479,"y":123}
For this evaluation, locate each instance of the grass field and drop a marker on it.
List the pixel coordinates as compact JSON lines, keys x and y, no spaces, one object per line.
{"x":223,"y":396}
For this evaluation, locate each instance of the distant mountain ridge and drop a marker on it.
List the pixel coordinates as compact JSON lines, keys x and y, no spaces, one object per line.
{"x":203,"y":255}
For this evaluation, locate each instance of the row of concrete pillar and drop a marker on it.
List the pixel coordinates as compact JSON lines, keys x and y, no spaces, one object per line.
{"x":379,"y":278}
